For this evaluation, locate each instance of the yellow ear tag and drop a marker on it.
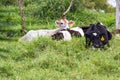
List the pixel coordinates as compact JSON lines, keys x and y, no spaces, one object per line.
{"x":102,"y":38}
{"x":71,"y":25}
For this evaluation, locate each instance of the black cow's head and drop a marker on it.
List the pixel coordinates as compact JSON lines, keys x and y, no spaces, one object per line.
{"x":98,"y":35}
{"x":93,"y":36}
{"x":96,"y":42}
{"x":105,"y":34}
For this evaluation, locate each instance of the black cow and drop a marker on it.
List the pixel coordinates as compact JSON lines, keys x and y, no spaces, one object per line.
{"x":98,"y":35}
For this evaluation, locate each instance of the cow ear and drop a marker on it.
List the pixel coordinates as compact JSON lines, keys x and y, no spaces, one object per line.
{"x":57,"y":22}
{"x":71,"y":23}
{"x":99,"y":23}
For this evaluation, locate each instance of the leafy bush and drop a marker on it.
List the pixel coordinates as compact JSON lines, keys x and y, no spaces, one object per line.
{"x":40,"y":13}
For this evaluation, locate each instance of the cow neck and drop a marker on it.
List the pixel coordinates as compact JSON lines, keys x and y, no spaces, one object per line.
{"x":57,"y":30}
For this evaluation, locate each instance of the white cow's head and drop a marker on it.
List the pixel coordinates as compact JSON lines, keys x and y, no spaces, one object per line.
{"x":64,"y":23}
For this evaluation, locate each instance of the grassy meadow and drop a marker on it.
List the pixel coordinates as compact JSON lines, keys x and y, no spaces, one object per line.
{"x":47,"y":59}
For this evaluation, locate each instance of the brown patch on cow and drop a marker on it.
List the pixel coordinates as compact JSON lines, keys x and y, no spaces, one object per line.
{"x":64,"y":19}
{"x":57,"y":36}
{"x":74,"y":33}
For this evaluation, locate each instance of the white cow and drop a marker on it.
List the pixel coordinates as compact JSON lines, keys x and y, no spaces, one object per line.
{"x":34,"y":34}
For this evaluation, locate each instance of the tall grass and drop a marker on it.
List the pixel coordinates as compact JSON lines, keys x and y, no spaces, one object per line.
{"x":49,"y":59}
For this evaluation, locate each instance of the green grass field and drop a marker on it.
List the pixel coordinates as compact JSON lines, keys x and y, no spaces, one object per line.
{"x":47,"y":59}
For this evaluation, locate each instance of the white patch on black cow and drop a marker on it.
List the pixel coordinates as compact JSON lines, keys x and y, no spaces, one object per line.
{"x":95,"y":34}
{"x":101,"y":23}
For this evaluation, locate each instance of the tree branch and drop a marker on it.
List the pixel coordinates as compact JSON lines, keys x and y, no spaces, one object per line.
{"x":22,"y":16}
{"x":71,"y":3}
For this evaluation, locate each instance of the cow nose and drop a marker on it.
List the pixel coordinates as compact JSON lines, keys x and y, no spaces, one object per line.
{"x":97,"y":46}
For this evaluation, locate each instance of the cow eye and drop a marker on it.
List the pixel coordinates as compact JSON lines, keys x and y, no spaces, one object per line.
{"x":61,"y":23}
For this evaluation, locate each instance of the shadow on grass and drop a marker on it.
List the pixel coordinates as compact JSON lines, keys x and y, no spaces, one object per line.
{"x":6,"y":19}
{"x":9,"y":35}
{"x":4,"y":10}
{"x":8,"y":39}
{"x":3,"y":50}
{"x":6,"y":24}
{"x":5,"y":72}
{"x":7,"y":16}
{"x":3,"y":53}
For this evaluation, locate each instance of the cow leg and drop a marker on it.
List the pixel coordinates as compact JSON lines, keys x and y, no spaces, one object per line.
{"x":87,"y":42}
{"x":108,"y":45}
{"x":102,"y":47}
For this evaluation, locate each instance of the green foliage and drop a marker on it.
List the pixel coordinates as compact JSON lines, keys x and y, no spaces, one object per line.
{"x":8,"y":2}
{"x":99,"y":5}
{"x":53,"y":8}
{"x":86,"y":17}
{"x":59,"y":6}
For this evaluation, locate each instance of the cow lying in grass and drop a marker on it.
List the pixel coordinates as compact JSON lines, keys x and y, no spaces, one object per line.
{"x":68,"y":33}
{"x":34,"y":34}
{"x":98,"y":35}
